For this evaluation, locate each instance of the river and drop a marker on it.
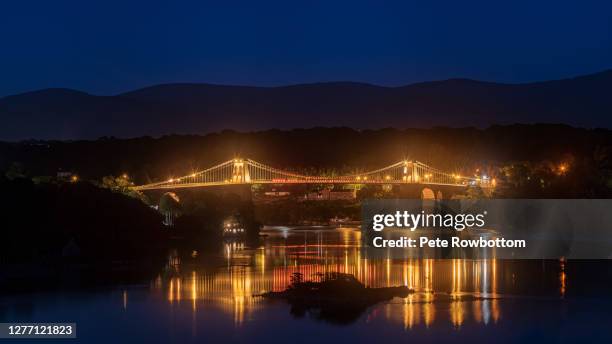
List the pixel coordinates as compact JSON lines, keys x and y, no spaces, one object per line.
{"x":208,"y":297}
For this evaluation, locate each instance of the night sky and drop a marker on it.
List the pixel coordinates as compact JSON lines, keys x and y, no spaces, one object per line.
{"x":106,"y":47}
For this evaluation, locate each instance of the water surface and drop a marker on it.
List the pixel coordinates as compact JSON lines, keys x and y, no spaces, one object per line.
{"x":208,"y":297}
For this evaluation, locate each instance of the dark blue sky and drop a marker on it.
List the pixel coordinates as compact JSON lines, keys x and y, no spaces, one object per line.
{"x":106,"y":47}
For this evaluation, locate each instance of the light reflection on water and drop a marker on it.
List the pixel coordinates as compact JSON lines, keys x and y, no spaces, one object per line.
{"x":208,"y":297}
{"x":447,"y":291}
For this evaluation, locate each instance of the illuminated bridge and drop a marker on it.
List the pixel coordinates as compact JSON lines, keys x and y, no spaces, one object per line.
{"x":246,"y":171}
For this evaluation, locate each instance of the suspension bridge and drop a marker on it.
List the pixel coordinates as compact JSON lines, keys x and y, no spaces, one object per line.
{"x":246,"y":171}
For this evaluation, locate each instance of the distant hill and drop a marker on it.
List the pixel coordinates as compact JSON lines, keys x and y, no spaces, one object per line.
{"x":201,"y":108}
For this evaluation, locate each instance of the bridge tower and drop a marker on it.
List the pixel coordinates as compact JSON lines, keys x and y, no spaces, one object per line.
{"x":405,"y":172}
{"x":409,"y":174}
{"x":240,"y":172}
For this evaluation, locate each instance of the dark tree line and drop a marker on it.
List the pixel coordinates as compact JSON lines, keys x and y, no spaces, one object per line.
{"x":336,"y":150}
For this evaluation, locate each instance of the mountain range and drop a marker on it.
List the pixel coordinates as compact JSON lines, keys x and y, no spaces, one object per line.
{"x":584,"y":101}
